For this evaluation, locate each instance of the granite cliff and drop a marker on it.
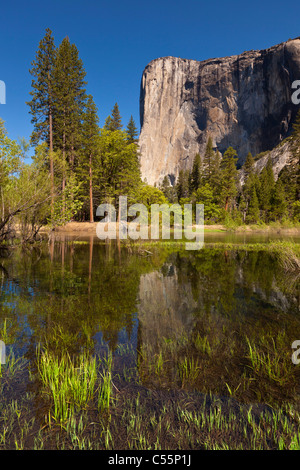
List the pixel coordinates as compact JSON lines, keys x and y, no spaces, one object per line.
{"x":243,"y":101}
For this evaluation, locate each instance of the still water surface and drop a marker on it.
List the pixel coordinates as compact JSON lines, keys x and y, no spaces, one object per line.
{"x":158,"y":311}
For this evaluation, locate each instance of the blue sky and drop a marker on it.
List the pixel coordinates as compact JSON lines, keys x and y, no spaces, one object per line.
{"x":117,"y":39}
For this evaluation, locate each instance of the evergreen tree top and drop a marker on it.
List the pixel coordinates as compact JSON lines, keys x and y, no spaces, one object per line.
{"x":116,"y":121}
{"x":249,"y":164}
{"x":131,"y":130}
{"x":90,"y":121}
{"x":42,"y":87}
{"x":113,"y":122}
{"x":296,"y":126}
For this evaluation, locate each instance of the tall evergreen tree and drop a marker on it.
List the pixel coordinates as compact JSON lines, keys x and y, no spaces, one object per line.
{"x":296,"y":153}
{"x":267,"y":182}
{"x":116,"y":118}
{"x":253,"y":206}
{"x":70,"y":97}
{"x":114,"y":121}
{"x":131,"y":131}
{"x":196,"y":173}
{"x":168,"y":190}
{"x":288,"y":177}
{"x":279,"y":201}
{"x":182,"y":186}
{"x":208,"y":161}
{"x":215,"y":178}
{"x":248,"y":166}
{"x":228,"y":183}
{"x":107,"y":124}
{"x":250,"y":185}
{"x":90,"y":145}
{"x":43,"y":97}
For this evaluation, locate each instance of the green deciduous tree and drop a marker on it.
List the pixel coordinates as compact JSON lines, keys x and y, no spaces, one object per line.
{"x":25,"y":190}
{"x":120,"y":169}
{"x":69,"y":203}
{"x":205,"y":195}
{"x":149,"y":195}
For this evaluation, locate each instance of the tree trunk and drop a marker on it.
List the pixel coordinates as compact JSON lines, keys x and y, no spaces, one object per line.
{"x":226,"y":203}
{"x":91,"y":191}
{"x":51,"y":161}
{"x":64,"y":176}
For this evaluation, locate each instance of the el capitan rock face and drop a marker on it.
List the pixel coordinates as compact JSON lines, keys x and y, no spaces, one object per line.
{"x":243,"y":101}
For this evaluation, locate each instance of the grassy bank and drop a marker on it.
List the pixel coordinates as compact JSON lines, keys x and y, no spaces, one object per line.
{"x":140,"y":419}
{"x":287,"y":226}
{"x":158,"y":399}
{"x":286,"y":252}
{"x":87,"y":228}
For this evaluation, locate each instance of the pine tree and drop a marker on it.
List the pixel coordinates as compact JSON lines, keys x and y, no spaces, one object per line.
{"x":107,"y":124}
{"x":288,"y":177}
{"x":253,"y":206}
{"x":208,"y":161}
{"x":42,"y":102}
{"x":90,"y":145}
{"x":228,"y":183}
{"x":196,"y":173}
{"x":279,"y":201}
{"x":182,"y":186}
{"x":131,"y":131}
{"x":249,"y":187}
{"x":168,"y":190}
{"x":114,"y":121}
{"x":296,"y":153}
{"x":248,"y":166}
{"x":267,"y":182}
{"x":70,"y":97}
{"x":215,"y":178}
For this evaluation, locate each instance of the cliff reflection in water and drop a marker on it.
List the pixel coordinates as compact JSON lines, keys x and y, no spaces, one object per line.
{"x":169,"y":306}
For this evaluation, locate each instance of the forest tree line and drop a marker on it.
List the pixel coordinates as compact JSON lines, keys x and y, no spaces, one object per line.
{"x":214,"y":181}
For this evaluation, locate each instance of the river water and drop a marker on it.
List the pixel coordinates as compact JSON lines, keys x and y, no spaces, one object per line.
{"x":173,"y":319}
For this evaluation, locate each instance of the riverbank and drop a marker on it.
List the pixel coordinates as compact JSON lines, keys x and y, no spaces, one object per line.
{"x":89,"y":228}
